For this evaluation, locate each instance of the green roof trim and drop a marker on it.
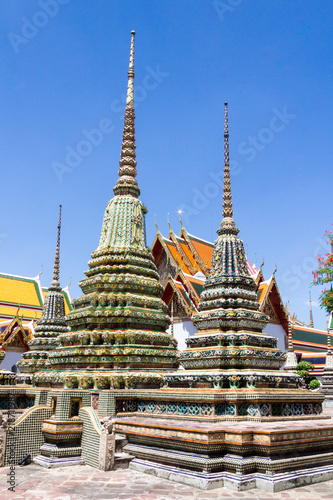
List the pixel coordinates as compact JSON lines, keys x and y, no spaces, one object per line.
{"x":19,"y":304}
{"x":186,"y":297}
{"x":312,"y":349}
{"x":197,"y":287}
{"x":307,"y":336}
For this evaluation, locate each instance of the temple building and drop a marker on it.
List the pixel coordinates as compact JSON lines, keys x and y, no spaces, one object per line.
{"x":183,"y":264}
{"x":310,"y":344}
{"x":21,"y":306}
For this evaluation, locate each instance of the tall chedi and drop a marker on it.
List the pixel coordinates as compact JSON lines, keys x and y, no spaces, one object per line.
{"x":230,"y":350}
{"x":229,"y":307}
{"x":119,"y":323}
{"x":50,"y":325}
{"x":229,"y":301}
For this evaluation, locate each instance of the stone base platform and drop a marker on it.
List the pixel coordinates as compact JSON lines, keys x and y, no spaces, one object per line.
{"x":217,"y":439}
{"x":239,"y":465}
{"x":247,"y":452}
{"x":205,"y":481}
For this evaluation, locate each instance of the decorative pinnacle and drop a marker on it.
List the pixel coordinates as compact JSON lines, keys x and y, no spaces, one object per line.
{"x":228,"y":223}
{"x":290,"y":332}
{"x":130,"y":85}
{"x":329,"y":346}
{"x":55,"y":282}
{"x":227,"y":199}
{"x":290,"y":338}
{"x":311,"y":324}
{"x":171,"y":329}
{"x":127,"y":183}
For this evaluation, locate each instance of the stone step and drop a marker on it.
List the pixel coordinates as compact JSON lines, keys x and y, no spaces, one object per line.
{"x":120,"y":442}
{"x":122,"y":460}
{"x":120,"y":436}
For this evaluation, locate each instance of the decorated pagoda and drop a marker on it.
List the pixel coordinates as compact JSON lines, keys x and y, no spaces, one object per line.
{"x":117,"y":334}
{"x":230,"y":350}
{"x":50,"y":325}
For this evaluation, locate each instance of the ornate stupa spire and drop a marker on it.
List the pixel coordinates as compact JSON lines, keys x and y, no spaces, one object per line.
{"x":228,"y":304}
{"x":50,"y":325}
{"x":127,"y":183}
{"x":172,"y":320}
{"x":291,"y":361}
{"x":311,"y":325}
{"x":55,"y":282}
{"x":120,"y":321}
{"x":227,"y":197}
{"x":130,"y":84}
{"x":227,"y":212}
{"x":290,"y":336}
{"x":229,"y":287}
{"x":329,"y":345}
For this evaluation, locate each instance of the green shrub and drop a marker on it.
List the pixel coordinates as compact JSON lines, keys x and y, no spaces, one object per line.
{"x":303,"y":368}
{"x":314,"y":384}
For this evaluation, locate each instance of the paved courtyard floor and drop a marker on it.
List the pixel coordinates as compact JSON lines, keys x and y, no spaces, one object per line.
{"x":82,"y":482}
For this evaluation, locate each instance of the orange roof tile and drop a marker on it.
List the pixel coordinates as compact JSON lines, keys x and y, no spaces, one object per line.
{"x":177,"y":257}
{"x":187,"y":252}
{"x":204,"y":249}
{"x":263,"y":288}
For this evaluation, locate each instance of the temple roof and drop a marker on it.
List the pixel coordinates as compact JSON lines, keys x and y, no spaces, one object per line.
{"x":25,"y":294}
{"x":306,"y":338}
{"x":14,"y":334}
{"x":310,"y":344}
{"x":190,"y":257}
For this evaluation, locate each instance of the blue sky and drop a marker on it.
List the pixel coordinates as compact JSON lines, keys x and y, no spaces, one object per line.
{"x":64,"y":74}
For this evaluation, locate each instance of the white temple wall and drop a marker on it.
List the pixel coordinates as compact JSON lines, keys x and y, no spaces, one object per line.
{"x":278,"y":332}
{"x":182,"y":330}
